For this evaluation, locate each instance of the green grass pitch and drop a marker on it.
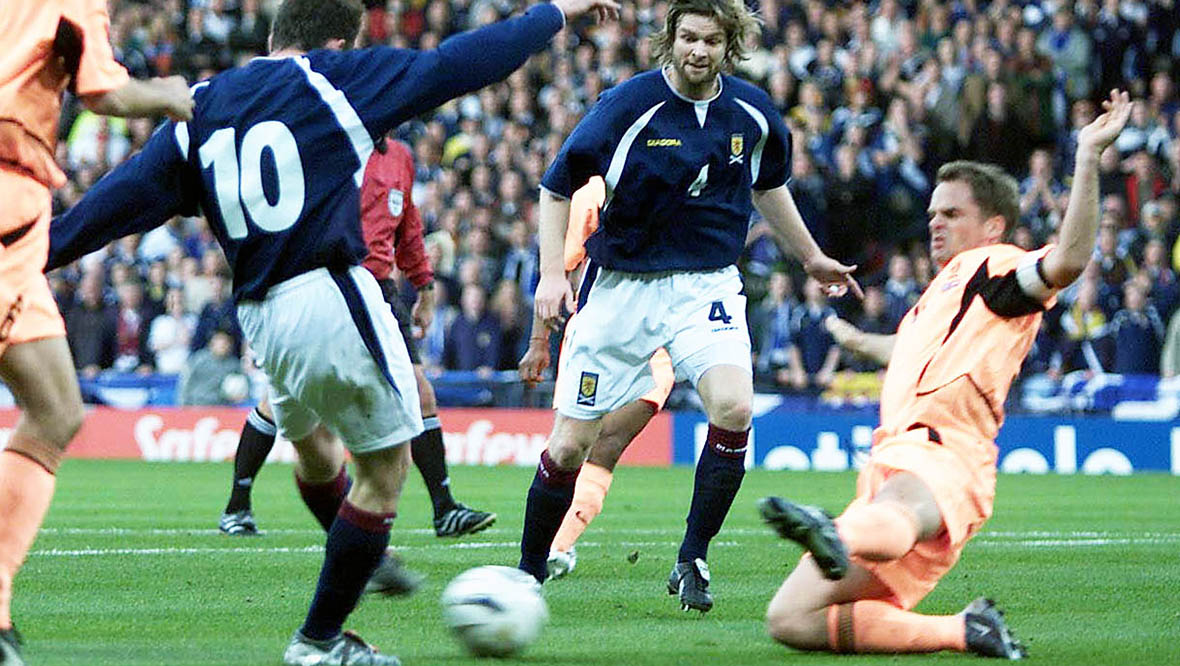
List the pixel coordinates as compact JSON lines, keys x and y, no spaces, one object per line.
{"x":131,"y":570}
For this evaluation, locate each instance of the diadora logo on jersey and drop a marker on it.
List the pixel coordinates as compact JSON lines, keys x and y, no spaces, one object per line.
{"x":737,"y":146}
{"x":588,"y":389}
{"x":397,"y":202}
{"x":663,"y":143}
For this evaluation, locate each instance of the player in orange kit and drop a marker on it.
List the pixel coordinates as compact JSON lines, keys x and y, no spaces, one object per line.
{"x":929,"y":483}
{"x":49,"y":47}
{"x":620,"y":427}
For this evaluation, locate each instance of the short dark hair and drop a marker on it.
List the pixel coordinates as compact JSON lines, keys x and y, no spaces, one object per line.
{"x":737,"y":20}
{"x":310,"y":24}
{"x":994,"y":191}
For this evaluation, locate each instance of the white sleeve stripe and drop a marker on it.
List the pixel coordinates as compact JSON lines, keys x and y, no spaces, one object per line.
{"x":180,"y":133}
{"x":347,"y":116}
{"x":619,"y":159}
{"x":1028,"y":276}
{"x":756,"y":155}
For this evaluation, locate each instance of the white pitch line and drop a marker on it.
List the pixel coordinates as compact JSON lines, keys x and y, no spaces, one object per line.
{"x":475,"y":545}
{"x":1096,"y":542}
{"x":676,"y":532}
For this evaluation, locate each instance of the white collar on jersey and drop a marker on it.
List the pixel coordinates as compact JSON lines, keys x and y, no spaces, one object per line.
{"x":720,"y":86}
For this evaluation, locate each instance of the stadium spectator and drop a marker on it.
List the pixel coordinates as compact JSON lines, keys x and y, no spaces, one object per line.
{"x":770,"y":320}
{"x":1143,"y":183}
{"x":203,"y":381}
{"x":133,"y":319}
{"x":1138,"y":333}
{"x":1070,"y":49}
{"x":813,"y":356}
{"x":515,"y":321}
{"x":998,"y":137}
{"x":218,"y":314}
{"x":473,"y":339}
{"x":874,"y":318}
{"x":1085,"y":342}
{"x":901,"y":289}
{"x":91,"y":330}
{"x":170,"y":334}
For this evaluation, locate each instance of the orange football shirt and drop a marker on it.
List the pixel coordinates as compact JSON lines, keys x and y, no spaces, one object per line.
{"x":49,"y":45}
{"x":960,"y":346}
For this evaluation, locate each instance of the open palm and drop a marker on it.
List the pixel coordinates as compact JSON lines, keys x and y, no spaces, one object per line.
{"x":1105,"y":128}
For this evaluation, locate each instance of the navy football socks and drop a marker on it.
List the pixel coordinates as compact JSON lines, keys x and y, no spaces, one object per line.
{"x":718,"y":478}
{"x":550,"y":497}
{"x":356,"y":543}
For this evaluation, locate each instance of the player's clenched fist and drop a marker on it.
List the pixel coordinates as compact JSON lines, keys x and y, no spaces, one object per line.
{"x":603,"y":9}
{"x":178,"y":99}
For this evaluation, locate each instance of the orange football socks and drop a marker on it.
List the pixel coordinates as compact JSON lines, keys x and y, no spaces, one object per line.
{"x":876,"y":626}
{"x":589,"y":494}
{"x":26,"y":488}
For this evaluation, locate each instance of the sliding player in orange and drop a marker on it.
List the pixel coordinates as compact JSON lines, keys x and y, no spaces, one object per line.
{"x":929,"y":482}
{"x":48,"y":47}
{"x":620,"y":427}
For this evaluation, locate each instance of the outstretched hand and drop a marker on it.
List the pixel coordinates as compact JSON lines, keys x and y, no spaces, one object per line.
{"x":1105,"y":128}
{"x":604,"y":10}
{"x":833,"y":276}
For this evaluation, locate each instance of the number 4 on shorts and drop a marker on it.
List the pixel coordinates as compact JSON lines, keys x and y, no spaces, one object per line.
{"x":717,"y":313}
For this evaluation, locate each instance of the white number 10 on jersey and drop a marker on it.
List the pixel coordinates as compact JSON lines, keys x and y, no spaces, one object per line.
{"x":241,"y":183}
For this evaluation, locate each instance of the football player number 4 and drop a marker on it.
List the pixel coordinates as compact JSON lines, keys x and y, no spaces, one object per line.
{"x":238,"y":182}
{"x":694,"y":190}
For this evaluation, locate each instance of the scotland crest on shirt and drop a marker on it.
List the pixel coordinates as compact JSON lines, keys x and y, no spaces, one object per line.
{"x":737,"y":147}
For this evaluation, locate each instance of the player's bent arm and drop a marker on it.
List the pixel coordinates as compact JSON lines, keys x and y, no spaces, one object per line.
{"x":1065,"y":262}
{"x":872,"y":345}
{"x":778,"y":207}
{"x":135,"y":98}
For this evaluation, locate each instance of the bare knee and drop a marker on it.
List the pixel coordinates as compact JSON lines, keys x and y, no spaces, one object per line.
{"x":571,"y":440}
{"x":380,"y":476}
{"x":731,"y":413}
{"x":793,"y":627}
{"x":568,"y":453}
{"x":320,"y":456}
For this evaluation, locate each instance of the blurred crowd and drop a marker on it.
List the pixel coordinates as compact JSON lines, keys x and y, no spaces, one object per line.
{"x":877,"y":96}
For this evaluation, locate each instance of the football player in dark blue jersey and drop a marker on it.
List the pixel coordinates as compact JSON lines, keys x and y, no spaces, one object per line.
{"x":274,"y":157}
{"x":687,"y":153}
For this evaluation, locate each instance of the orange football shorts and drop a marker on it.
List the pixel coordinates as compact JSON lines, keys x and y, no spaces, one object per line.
{"x":27,"y":309}
{"x":961,"y":474}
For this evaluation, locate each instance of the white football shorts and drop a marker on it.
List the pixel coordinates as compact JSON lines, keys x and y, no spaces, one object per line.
{"x":334,"y":355}
{"x":623,"y":318}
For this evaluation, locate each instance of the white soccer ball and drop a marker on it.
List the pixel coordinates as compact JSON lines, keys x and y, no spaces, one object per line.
{"x":494,"y":611}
